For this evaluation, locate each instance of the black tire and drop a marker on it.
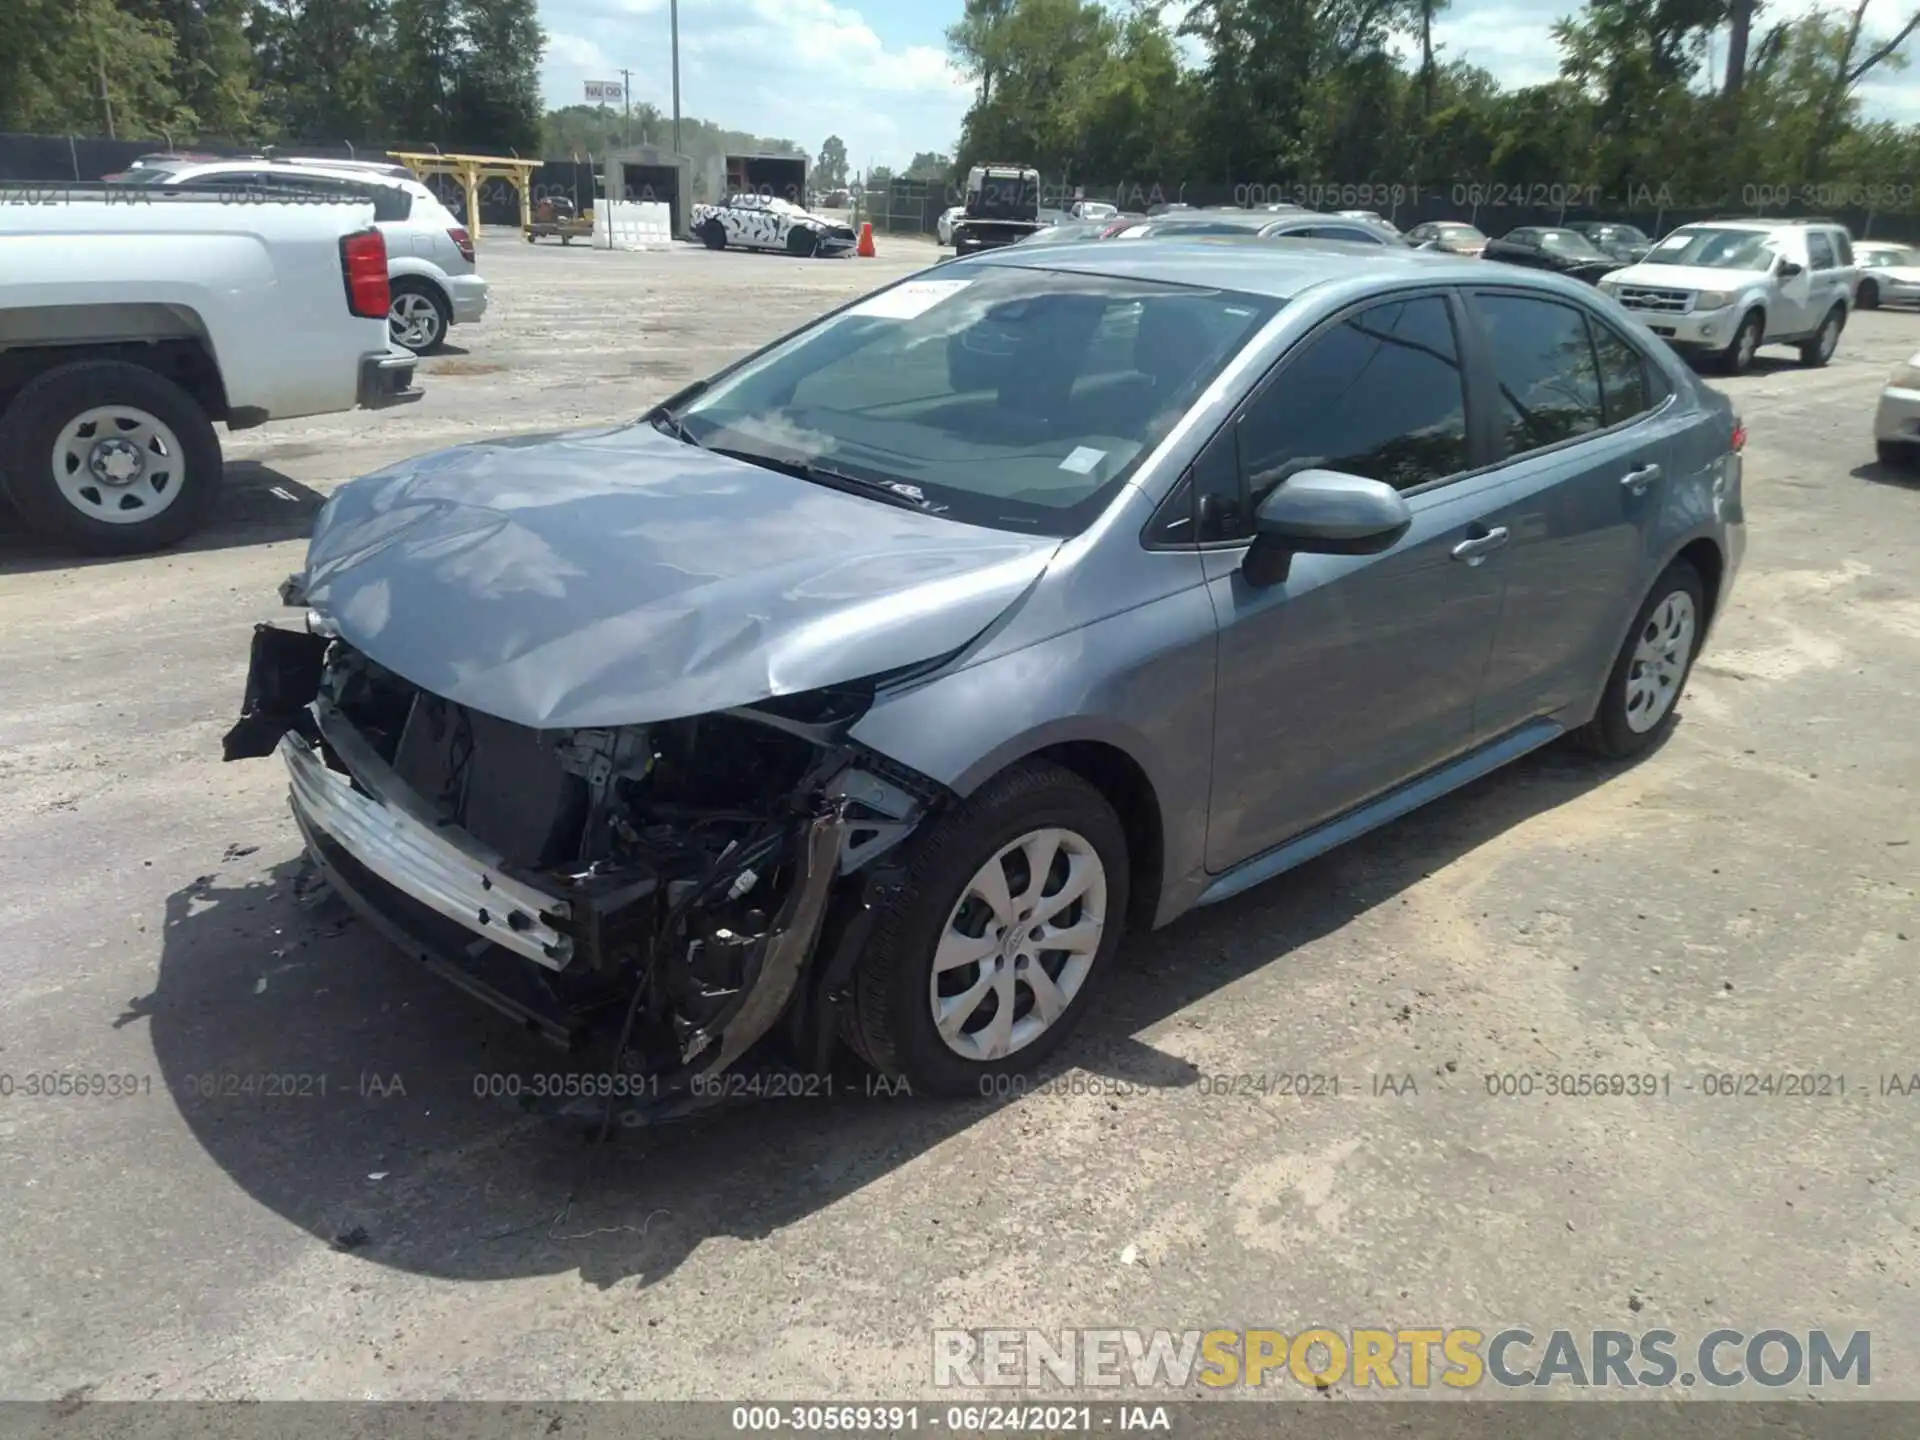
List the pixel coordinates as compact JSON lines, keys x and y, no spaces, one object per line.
{"x":1737,"y":358}
{"x":45,"y":407}
{"x":1868,"y":295}
{"x":439,"y":322}
{"x":1819,"y":350}
{"x":1610,"y":732}
{"x":890,"y":1022}
{"x":566,"y":239}
{"x":1895,"y":455}
{"x":802,"y":242}
{"x":714,"y":235}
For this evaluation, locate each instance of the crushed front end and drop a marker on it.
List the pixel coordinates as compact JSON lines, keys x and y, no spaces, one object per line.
{"x":669,"y":883}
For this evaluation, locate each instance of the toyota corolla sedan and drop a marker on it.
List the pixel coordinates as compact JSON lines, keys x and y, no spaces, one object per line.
{"x":871,"y":689}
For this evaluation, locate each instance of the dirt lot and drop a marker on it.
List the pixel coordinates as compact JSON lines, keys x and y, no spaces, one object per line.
{"x":1742,"y":901}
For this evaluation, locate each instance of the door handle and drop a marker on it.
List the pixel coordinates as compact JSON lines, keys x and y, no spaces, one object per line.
{"x":1636,"y":482}
{"x":1476,"y":548}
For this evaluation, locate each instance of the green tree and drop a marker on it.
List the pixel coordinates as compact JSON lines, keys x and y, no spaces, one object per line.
{"x":57,"y":57}
{"x":496,"y":92}
{"x":338,"y":101}
{"x":830,"y":167}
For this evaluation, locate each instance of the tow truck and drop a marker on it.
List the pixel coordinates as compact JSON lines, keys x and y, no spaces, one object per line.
{"x":1003,"y":207}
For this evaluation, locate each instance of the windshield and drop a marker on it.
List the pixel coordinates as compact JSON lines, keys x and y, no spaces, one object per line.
{"x":1009,"y":397}
{"x":1571,"y":244}
{"x":1464,"y":233}
{"x":1881,"y":259}
{"x":1715,"y":249}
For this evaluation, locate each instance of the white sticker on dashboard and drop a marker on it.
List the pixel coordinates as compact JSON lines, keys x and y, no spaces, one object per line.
{"x":1082,"y":460}
{"x":903,"y":302}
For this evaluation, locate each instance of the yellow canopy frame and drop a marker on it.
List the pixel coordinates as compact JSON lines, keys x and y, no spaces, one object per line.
{"x":470,"y":170}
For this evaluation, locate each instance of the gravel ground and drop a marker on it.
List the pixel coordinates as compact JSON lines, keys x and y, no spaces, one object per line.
{"x":1741,"y":901}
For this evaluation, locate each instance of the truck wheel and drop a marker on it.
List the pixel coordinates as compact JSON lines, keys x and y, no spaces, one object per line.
{"x":419,"y":316}
{"x":112,"y":458}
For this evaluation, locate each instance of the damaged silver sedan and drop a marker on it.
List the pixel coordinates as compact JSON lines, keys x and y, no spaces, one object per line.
{"x":864,"y":692}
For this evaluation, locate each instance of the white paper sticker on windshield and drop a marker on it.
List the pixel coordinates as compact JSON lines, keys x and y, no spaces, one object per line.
{"x":1082,"y":460}
{"x":903,"y":302}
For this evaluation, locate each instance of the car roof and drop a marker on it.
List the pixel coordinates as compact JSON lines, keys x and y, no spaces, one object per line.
{"x":1276,"y":268}
{"x":1882,"y":245}
{"x":319,"y":168}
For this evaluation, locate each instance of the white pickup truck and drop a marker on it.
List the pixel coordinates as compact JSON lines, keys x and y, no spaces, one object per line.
{"x":131,"y":321}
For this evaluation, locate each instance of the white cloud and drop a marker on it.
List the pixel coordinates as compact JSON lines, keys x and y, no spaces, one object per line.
{"x":796,"y":69}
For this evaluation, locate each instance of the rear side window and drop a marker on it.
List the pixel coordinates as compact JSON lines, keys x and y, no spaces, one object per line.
{"x":1548,"y":385}
{"x":1843,"y":245}
{"x":1351,"y":233}
{"x":1379,"y":394}
{"x":1819,"y":250}
{"x":1624,"y":388}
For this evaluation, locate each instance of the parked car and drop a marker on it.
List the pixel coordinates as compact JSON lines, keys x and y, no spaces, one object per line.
{"x":1067,"y":233}
{"x":432,"y":274}
{"x":766,"y":222}
{"x":943,"y":228}
{"x":1566,"y":251}
{"x":1896,"y":424}
{"x":904,"y":664}
{"x":1297,"y":224}
{"x":1625,"y":243}
{"x":1889,"y":274}
{"x":1371,"y":217}
{"x":1093,"y":210}
{"x":1451,"y":236}
{"x":1724,"y":288}
{"x":127,"y":331}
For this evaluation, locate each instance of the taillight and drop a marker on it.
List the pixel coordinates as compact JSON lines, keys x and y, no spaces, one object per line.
{"x":363,"y":264}
{"x":1114,"y":229}
{"x":1739,"y":435}
{"x":463,"y":241}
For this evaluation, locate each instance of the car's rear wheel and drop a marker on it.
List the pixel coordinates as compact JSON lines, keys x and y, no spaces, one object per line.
{"x":418,"y":317}
{"x":1737,"y":358}
{"x":714,"y":235}
{"x":1012,"y":908}
{"x":109,"y":457}
{"x":1868,"y":296}
{"x":1637,"y":709}
{"x":1819,"y":350}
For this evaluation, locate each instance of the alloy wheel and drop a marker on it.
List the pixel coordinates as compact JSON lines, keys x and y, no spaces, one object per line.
{"x":413,"y":321}
{"x":1018,"y":945}
{"x":1660,"y":659}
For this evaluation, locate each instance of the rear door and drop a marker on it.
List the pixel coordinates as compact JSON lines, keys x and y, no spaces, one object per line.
{"x":1356,"y":672}
{"x":1586,"y":429}
{"x":1832,"y":282}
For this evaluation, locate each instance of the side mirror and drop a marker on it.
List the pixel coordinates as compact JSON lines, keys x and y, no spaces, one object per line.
{"x":1323,"y":512}
{"x":1788,"y":269}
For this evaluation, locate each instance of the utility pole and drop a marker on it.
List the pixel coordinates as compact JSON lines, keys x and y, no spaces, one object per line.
{"x":626,"y":102}
{"x":673,"y":19}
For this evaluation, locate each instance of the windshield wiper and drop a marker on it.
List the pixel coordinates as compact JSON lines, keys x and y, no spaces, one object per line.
{"x":897,"y":492}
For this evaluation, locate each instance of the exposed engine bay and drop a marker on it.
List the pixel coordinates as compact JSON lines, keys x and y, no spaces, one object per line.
{"x":676,"y":880}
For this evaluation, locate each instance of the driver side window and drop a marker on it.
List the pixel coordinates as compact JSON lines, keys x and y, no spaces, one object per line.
{"x":1380,"y":394}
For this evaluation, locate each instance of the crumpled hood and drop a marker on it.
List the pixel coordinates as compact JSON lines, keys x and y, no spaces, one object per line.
{"x":616,"y":577}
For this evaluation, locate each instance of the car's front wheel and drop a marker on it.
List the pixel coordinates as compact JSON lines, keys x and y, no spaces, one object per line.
{"x":1819,"y":350}
{"x":714,"y":235}
{"x":1737,"y":358}
{"x":986,"y":959}
{"x":1637,"y":707}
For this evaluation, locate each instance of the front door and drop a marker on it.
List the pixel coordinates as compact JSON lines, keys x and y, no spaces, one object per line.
{"x":1355,"y":673}
{"x":1791,"y":312}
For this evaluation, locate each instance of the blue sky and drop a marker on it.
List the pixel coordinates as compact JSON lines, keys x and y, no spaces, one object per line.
{"x":875,"y":72}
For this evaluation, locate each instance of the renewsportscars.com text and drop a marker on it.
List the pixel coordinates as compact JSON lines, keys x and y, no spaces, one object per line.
{"x":1458,"y":1358}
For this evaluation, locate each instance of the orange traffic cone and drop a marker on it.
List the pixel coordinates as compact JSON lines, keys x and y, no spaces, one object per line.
{"x":865,"y":248}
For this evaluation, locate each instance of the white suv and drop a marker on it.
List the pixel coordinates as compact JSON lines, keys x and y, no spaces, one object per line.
{"x":430,"y":264}
{"x":1726,"y":287}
